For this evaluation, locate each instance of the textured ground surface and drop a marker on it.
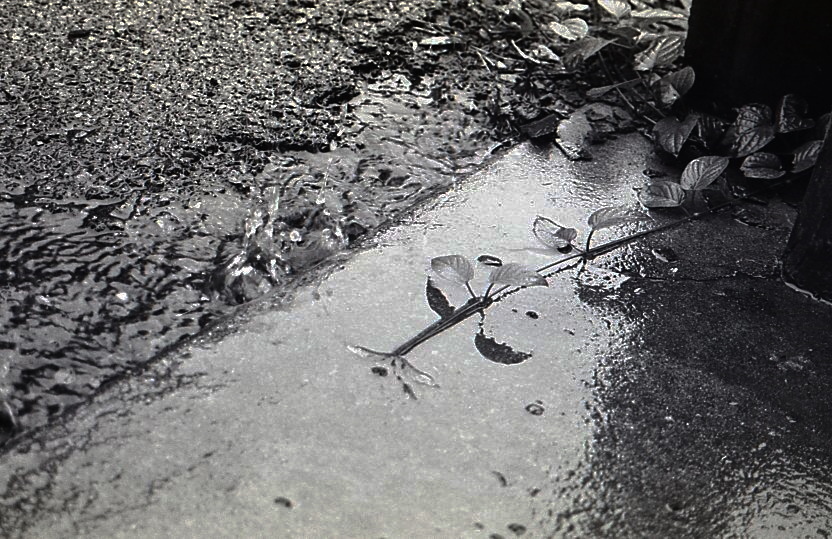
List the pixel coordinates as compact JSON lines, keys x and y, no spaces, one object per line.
{"x":676,"y":388}
{"x":161,"y":161}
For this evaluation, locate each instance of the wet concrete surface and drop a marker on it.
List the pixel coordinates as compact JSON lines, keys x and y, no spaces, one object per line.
{"x":164,"y":161}
{"x":676,"y":388}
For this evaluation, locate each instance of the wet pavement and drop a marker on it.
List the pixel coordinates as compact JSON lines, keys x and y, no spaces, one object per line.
{"x":675,"y":388}
{"x":164,"y":161}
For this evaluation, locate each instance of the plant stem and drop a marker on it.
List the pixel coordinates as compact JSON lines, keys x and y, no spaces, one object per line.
{"x":472,"y":307}
{"x":478,"y":304}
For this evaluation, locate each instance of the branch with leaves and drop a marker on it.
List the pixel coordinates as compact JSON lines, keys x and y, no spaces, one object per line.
{"x":507,"y":278}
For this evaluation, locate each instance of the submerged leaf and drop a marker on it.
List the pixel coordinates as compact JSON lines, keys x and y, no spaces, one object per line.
{"x":762,"y":165}
{"x":616,"y":8}
{"x":662,"y":195}
{"x":570,"y":29}
{"x":454,"y":268}
{"x":516,"y":275}
{"x":806,"y":156}
{"x":703,"y":171}
{"x":611,"y":216}
{"x":671,"y":134}
{"x":437,"y":300}
{"x":663,"y":51}
{"x":551,"y":234}
{"x":790,"y":115}
{"x":498,"y":352}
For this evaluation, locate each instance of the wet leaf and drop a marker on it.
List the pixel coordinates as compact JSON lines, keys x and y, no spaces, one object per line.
{"x":572,"y":135}
{"x":570,"y":29}
{"x":671,"y":134}
{"x":762,"y":165}
{"x":582,"y":50}
{"x":681,"y":81}
{"x":662,"y":195}
{"x":749,"y":142}
{"x":611,"y":216}
{"x":790,"y":115}
{"x":703,"y":171}
{"x":454,"y":268}
{"x":498,"y":352}
{"x":516,"y":275}
{"x":568,"y":7}
{"x":711,"y":129}
{"x":616,"y":8}
{"x":806,"y":156}
{"x":663,"y":51}
{"x":551,"y":234}
{"x":489,"y":260}
{"x":655,"y":14}
{"x":437,"y":300}
{"x":754,"y":129}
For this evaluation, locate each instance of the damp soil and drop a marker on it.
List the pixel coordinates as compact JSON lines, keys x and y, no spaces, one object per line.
{"x":165,"y":161}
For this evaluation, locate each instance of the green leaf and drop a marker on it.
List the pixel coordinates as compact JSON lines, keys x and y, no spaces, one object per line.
{"x":551,"y":234}
{"x":749,"y":142}
{"x":790,"y":115}
{"x":703,"y":171}
{"x":616,"y":8}
{"x":568,"y":7}
{"x":611,"y":216}
{"x":754,"y":129}
{"x":806,"y":156}
{"x":516,"y":275}
{"x":681,"y":81}
{"x":762,"y":165}
{"x":663,"y":51}
{"x":582,"y":50}
{"x":662,"y":194}
{"x":655,"y":14}
{"x":711,"y":129}
{"x":454,"y":268}
{"x":671,"y":134}
{"x":570,"y":29}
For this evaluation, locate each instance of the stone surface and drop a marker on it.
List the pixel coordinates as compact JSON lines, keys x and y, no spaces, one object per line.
{"x":676,"y":388}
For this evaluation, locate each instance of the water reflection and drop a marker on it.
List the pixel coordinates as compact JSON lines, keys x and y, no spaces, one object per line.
{"x":712,"y":413}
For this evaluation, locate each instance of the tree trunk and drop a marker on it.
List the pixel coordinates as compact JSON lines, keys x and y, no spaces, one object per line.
{"x":746,"y":51}
{"x":808,"y":260}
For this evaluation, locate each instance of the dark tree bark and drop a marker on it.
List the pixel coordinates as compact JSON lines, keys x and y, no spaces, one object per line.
{"x":746,"y":51}
{"x":808,"y":260}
